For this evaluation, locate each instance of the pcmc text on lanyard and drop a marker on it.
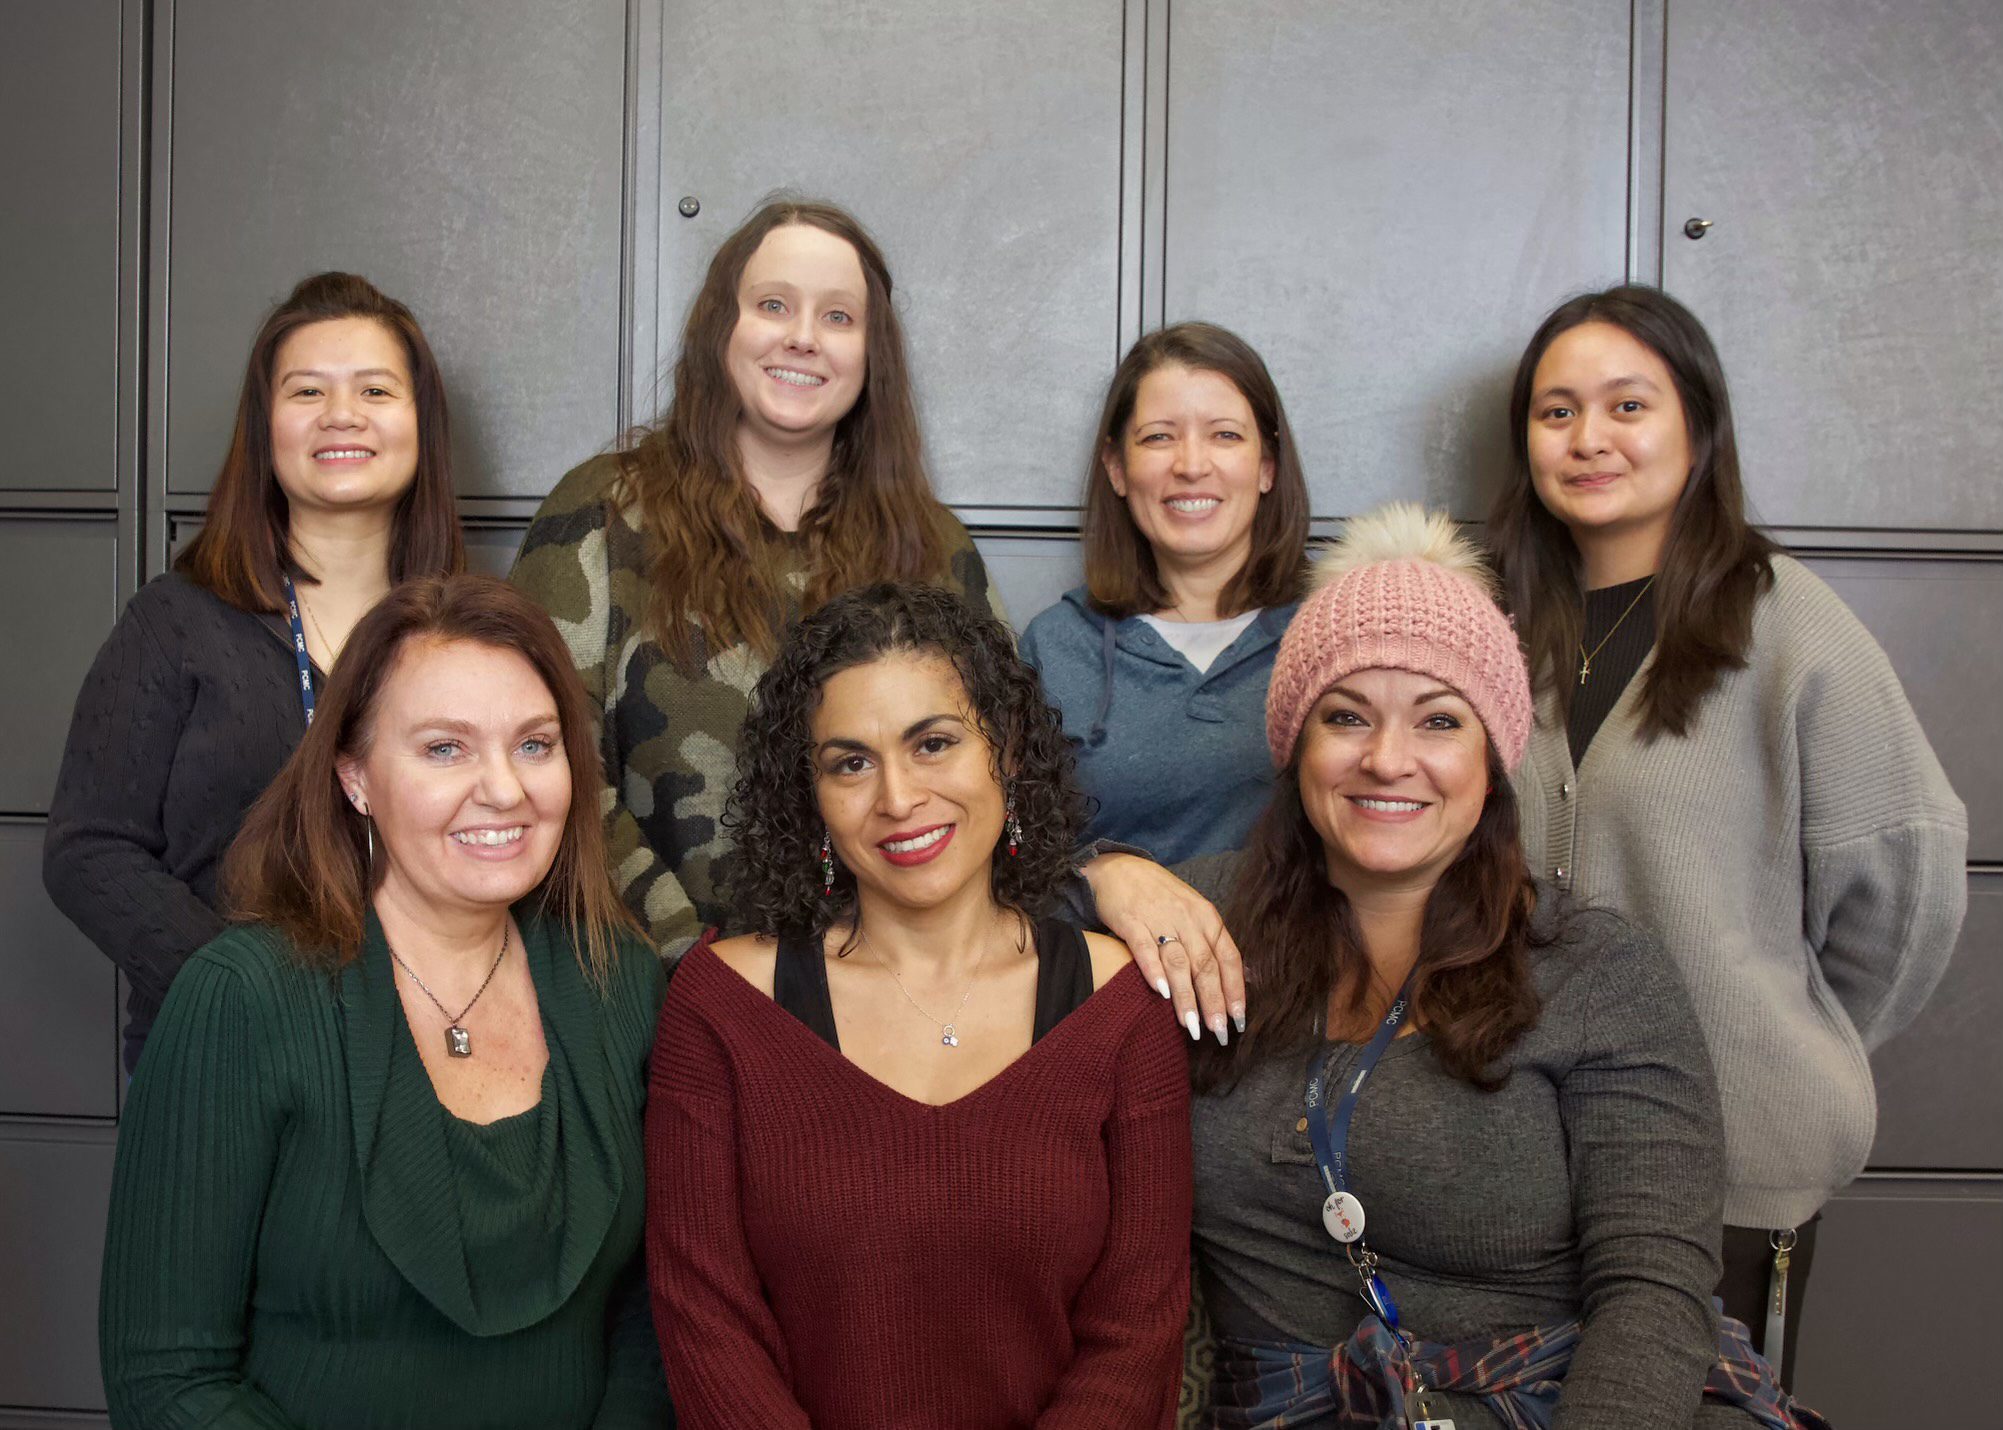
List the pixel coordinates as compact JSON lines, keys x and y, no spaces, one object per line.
{"x":299,"y":655}
{"x":1342,"y":1213}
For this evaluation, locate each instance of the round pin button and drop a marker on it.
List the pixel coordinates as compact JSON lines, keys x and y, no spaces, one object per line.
{"x":1342,"y":1214}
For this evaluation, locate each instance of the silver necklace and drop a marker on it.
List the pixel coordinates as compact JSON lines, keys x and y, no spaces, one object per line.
{"x":949,"y":1035}
{"x":458,"y":1042}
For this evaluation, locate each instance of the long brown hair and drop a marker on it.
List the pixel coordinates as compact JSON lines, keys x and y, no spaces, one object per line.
{"x":715,"y":553}
{"x":245,"y":546}
{"x":1120,"y":572}
{"x":1471,"y":987}
{"x":301,"y":862}
{"x":1714,"y":565}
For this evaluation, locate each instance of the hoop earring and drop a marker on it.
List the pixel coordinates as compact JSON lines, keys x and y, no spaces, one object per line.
{"x":1012,"y":825}
{"x":827,"y":865}
{"x":369,"y":827}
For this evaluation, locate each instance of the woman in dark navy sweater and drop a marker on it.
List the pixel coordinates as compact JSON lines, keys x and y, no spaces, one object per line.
{"x":338,"y":483}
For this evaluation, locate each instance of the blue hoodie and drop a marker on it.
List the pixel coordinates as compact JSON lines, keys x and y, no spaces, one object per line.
{"x":1175,"y":757}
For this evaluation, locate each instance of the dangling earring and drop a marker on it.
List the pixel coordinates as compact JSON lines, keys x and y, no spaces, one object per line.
{"x":1012,"y":825}
{"x":827,"y":865}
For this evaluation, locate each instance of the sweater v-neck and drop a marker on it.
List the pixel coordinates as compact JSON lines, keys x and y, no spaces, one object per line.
{"x":1621,"y":718}
{"x":404,"y":1143}
{"x":744,"y":1000}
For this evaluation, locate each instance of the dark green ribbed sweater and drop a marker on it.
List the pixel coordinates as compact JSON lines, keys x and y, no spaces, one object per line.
{"x":301,"y":1236}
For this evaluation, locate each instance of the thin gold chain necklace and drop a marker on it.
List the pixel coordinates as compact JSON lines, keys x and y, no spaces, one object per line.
{"x":333,"y":652}
{"x":1586,"y":656}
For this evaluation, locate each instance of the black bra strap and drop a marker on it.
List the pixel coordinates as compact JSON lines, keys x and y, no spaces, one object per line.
{"x":1063,"y":974}
{"x":800,"y":986}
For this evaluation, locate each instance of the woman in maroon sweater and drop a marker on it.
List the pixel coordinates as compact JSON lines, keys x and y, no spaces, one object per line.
{"x":917,"y":1158}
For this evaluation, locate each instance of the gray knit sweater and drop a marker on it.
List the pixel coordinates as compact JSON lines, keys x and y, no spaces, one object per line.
{"x":1586,"y":1186}
{"x":1801,"y":855}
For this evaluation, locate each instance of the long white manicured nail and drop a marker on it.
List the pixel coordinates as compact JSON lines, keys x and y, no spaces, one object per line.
{"x":1195,"y":1028}
{"x":1161,"y":987}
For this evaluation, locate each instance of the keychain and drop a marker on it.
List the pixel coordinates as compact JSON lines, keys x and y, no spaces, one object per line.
{"x":1422,"y":1410}
{"x":1774,"y":1342}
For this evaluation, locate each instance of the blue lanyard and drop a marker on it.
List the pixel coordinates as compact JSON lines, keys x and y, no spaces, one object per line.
{"x":299,"y":649}
{"x":1330,"y":1133}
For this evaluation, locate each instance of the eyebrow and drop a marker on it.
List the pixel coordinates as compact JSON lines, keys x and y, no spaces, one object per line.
{"x":467,"y":727}
{"x":1442,"y":693}
{"x":1632,"y":379}
{"x":780,"y":285}
{"x":359,"y":372}
{"x":911,"y":732}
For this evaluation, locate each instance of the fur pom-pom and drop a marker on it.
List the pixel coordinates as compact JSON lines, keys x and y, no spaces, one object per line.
{"x":1403,"y":531}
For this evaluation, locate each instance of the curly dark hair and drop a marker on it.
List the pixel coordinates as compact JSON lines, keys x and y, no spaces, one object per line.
{"x":773,"y":815}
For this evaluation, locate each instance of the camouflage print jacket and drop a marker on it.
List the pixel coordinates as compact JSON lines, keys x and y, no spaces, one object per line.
{"x":670,"y":739}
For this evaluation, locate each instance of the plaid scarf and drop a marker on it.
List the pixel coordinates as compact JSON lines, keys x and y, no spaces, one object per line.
{"x":1360,"y":1385}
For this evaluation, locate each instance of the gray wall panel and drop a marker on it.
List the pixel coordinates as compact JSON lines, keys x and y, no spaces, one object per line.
{"x":492,"y":548}
{"x":1904,"y":1290}
{"x":1940,"y":1083}
{"x":1939,"y":621}
{"x":54,"y":1189}
{"x":1031,"y":572}
{"x":59,"y":152}
{"x":1847,"y":153}
{"x":59,"y":1018}
{"x":1386,"y":213}
{"x":466,"y":155}
{"x":60,"y":580}
{"x":980,"y":145}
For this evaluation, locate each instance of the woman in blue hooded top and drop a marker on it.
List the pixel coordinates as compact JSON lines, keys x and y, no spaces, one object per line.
{"x":1196,"y":518}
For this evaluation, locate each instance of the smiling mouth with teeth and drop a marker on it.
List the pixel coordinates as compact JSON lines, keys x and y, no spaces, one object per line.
{"x":918,"y":842}
{"x":793,"y":377}
{"x":488,"y":838}
{"x":343,"y":454}
{"x":1390,"y":806}
{"x":1193,"y":506}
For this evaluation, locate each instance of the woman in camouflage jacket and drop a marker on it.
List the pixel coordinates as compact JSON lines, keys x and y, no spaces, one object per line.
{"x":786,"y":469}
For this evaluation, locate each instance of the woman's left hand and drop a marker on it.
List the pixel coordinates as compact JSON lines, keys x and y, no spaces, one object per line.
{"x":1176,"y":936}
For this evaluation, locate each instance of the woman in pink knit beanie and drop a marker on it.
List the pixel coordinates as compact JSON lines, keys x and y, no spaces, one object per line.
{"x":1463,"y":1164}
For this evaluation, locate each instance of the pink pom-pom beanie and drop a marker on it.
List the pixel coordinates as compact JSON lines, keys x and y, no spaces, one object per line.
{"x":1402,"y":590}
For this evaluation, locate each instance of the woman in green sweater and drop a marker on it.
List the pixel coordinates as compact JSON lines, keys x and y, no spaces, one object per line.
{"x":381,"y":1165}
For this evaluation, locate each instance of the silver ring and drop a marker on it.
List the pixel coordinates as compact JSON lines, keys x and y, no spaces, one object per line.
{"x":1163,"y":940}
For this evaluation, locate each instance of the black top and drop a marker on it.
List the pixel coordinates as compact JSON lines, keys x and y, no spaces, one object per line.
{"x":1613,"y":664}
{"x":189,"y":711}
{"x":1063,"y":979}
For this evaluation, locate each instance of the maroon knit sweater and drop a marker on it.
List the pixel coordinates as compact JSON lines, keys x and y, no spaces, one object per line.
{"x":826,"y":1252}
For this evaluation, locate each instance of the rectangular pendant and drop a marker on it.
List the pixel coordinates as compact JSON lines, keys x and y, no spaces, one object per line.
{"x":458,"y":1042}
